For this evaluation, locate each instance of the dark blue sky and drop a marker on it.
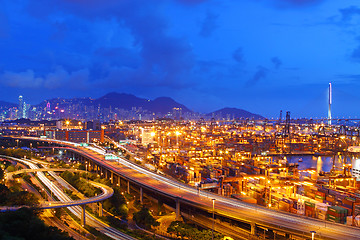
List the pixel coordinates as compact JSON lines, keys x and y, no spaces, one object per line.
{"x":258,"y":55}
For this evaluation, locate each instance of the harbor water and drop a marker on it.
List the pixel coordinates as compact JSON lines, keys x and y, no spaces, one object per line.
{"x":320,"y":163}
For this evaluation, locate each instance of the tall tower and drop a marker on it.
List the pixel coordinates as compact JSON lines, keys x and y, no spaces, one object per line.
{"x":21,"y":107}
{"x":330,"y":102}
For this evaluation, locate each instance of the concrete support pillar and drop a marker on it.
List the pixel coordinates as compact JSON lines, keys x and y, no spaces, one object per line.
{"x":83,"y":215}
{"x":128,"y":187}
{"x":253,"y":228}
{"x":119,"y":181}
{"x":141,"y":195}
{"x":100,"y":209}
{"x":112,"y":177}
{"x":177,"y":210}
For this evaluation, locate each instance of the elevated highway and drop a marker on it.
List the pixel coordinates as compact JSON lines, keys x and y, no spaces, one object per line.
{"x":256,"y":216}
{"x":107,"y":192}
{"x":75,"y":207}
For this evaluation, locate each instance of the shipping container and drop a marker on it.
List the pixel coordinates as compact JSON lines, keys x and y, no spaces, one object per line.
{"x":310,"y":204}
{"x":330,"y":198}
{"x":287,"y":200}
{"x":329,"y":203}
{"x":320,"y":194}
{"x":309,"y":213}
{"x":332,"y":218}
{"x":337,"y":211}
{"x":284,"y":206}
{"x":347,"y":202}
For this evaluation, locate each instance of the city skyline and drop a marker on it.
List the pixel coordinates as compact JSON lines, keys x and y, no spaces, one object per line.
{"x":219,"y":55}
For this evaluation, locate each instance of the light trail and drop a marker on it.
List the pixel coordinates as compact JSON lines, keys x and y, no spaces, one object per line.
{"x":232,"y":208}
{"x":76,"y":210}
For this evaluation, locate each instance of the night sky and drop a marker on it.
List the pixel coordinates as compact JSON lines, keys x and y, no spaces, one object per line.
{"x":259,"y":55}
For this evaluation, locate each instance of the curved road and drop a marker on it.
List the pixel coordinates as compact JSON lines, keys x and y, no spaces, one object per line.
{"x":76,"y":210}
{"x":107,"y":192}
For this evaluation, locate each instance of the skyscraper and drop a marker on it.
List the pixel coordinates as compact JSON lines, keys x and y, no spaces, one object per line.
{"x":21,"y":107}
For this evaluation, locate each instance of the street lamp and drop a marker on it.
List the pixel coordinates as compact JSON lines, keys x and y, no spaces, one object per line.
{"x":177,"y":133}
{"x":312,"y":235}
{"x":212,"y":232}
{"x":87,"y":179}
{"x":67,"y":122}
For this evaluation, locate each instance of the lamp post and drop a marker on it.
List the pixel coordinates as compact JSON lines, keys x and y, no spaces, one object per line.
{"x":312,"y":235}
{"x":213,"y":215}
{"x":86,"y":164}
{"x":177,"y":133}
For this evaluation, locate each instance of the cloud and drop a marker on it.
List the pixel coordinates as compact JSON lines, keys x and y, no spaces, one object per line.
{"x":351,"y":77}
{"x":25,"y":79}
{"x":154,"y":56}
{"x":348,"y":13}
{"x":54,"y":80}
{"x":277,"y":62}
{"x":238,"y":55}
{"x":191,"y":2}
{"x":118,"y":56}
{"x":209,"y":25}
{"x":259,"y":74}
{"x":356,"y":54}
{"x":4,"y":25}
{"x":295,"y":3}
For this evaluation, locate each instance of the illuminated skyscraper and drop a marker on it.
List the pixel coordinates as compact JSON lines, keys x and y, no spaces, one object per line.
{"x":21,"y":107}
{"x":48,"y":108}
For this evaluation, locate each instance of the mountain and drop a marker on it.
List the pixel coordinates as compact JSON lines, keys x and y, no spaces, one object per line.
{"x":125,"y":101}
{"x":128,"y":101}
{"x":165,"y":104}
{"x":162,"y":105}
{"x":120,"y":100}
{"x":234,"y":113}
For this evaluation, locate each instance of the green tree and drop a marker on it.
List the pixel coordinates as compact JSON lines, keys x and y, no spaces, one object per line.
{"x":10,"y":168}
{"x":145,"y":219}
{"x":4,"y":191}
{"x":81,"y":184}
{"x":116,"y":204}
{"x":20,"y":198}
{"x":1,"y":174}
{"x":25,"y":224}
{"x":184,"y":230}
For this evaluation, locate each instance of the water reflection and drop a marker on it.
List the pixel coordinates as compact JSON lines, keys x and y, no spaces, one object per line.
{"x":320,"y":163}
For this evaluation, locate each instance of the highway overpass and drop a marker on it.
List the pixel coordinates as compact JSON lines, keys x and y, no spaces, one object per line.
{"x":73,"y":206}
{"x":256,"y":216}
